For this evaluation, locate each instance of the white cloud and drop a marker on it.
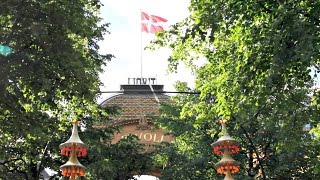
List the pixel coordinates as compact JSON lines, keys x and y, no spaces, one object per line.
{"x":173,"y":10}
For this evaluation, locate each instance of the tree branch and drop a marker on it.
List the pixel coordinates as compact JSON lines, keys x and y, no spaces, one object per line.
{"x":255,"y":150}
{"x":41,"y":161}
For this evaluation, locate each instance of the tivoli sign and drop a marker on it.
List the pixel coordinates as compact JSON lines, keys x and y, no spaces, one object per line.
{"x":147,"y":134}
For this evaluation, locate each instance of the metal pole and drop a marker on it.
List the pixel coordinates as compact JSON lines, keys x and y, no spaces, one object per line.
{"x":154,"y":94}
{"x":141,"y":50}
{"x":72,"y":177}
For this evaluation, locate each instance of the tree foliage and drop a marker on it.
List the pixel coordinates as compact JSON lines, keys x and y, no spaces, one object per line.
{"x":262,"y":59}
{"x":190,"y":155}
{"x":50,"y":77}
{"x":122,"y":160}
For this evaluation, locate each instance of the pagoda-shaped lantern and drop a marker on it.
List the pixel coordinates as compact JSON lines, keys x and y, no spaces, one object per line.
{"x":226,"y":145}
{"x":74,"y":148}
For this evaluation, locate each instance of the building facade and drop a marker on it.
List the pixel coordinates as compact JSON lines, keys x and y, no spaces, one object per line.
{"x":138,"y":105}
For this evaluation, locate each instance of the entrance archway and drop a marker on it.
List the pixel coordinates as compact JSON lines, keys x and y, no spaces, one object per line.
{"x":138,"y":103}
{"x":146,"y":177}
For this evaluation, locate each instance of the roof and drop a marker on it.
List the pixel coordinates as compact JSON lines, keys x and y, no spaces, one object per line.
{"x":137,"y":101}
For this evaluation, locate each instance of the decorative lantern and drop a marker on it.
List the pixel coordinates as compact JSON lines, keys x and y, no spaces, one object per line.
{"x":226,"y":145}
{"x":74,"y":148}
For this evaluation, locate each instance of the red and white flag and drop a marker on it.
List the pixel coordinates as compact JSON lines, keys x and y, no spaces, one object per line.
{"x":151,"y":23}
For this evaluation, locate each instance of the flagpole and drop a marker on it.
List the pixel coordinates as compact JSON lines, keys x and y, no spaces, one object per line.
{"x":151,"y":27}
{"x":141,"y":51}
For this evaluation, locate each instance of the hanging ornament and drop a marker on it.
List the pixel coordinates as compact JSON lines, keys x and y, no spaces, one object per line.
{"x":74,"y":148}
{"x":226,"y":145}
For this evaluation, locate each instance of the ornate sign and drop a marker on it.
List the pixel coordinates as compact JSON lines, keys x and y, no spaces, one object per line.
{"x":149,"y":135}
{"x":141,"y":81}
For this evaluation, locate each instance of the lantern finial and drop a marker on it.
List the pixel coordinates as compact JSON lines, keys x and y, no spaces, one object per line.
{"x":73,"y":147}
{"x":226,"y":145}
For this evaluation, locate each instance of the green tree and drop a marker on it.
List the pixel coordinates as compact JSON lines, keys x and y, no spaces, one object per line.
{"x":190,"y":155}
{"x":50,"y":77}
{"x":118,"y":161}
{"x":262,"y":59}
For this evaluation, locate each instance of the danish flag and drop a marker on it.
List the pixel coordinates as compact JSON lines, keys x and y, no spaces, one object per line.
{"x":151,"y":23}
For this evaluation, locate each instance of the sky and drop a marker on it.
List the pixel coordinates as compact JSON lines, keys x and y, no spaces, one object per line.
{"x":124,"y":43}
